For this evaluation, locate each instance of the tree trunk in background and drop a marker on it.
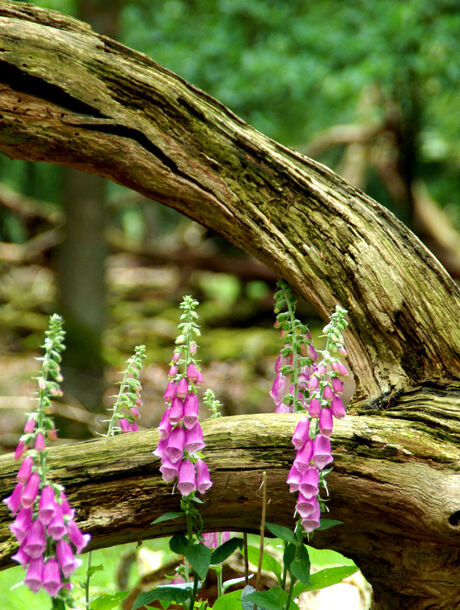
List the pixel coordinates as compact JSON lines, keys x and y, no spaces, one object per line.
{"x":82,"y":285}
{"x":116,"y":113}
{"x":82,"y":261}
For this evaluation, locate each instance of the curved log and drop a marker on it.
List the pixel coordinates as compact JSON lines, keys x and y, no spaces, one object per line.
{"x":392,"y":487}
{"x":72,"y":97}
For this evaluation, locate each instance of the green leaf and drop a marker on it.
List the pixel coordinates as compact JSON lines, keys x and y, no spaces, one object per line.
{"x":273,"y":599}
{"x":178,"y":543}
{"x":165,"y":593}
{"x":300,"y":567}
{"x":108,"y":601}
{"x":269,"y":563}
{"x":325,"y":578}
{"x":168,"y":517}
{"x":223,"y":551}
{"x":199,"y":557}
{"x":281,"y":532}
{"x":325,"y":524}
{"x":289,"y":554}
{"x":93,"y":569}
{"x":229,"y":601}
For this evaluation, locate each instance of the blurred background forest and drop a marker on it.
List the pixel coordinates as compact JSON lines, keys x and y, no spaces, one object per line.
{"x":370,"y":89}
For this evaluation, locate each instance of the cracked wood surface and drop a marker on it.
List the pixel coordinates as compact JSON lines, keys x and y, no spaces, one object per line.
{"x":70,"y":96}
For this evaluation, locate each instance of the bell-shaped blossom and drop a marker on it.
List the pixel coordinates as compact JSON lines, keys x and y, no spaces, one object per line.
{"x":20,"y":556}
{"x":186,"y":480}
{"x":306,"y":506}
{"x":135,"y":412}
{"x":309,"y":483}
{"x":124,"y":425}
{"x":57,"y":528}
{"x":176,"y":357}
{"x":35,"y":542}
{"x":312,"y":352}
{"x":30,"y":425}
{"x":164,"y":426}
{"x":194,"y":439}
{"x":19,"y":452}
{"x":25,"y":469}
{"x":314,"y":407}
{"x":40,"y":442}
{"x":203,"y":480}
{"x":52,"y":582}
{"x":175,"y":444}
{"x":193,"y":374}
{"x":339,"y":368}
{"x":170,"y":391}
{"x":34,"y":575}
{"x":300,"y":436}
{"x":279,"y":387}
{"x":327,"y":392}
{"x":321,"y":451}
{"x":176,"y":411}
{"x":191,"y":408}
{"x":169,"y":469}
{"x":325,"y":421}
{"x":313,"y":384}
{"x":22,"y":524}
{"x":76,"y":536}
{"x":30,"y":491}
{"x":134,"y":427}
{"x":303,"y":457}
{"x":337,"y":408}
{"x":294,"y":478}
{"x":337,"y":385}
{"x":312,"y":521}
{"x":47,"y":505}
{"x":182,"y":388}
{"x":160,"y":449}
{"x":66,"y":558}
{"x":14,"y":501}
{"x":172,"y":370}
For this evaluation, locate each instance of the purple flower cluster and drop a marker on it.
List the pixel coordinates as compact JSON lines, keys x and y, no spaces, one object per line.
{"x":44,"y":524}
{"x":319,"y":389}
{"x":181,"y":436}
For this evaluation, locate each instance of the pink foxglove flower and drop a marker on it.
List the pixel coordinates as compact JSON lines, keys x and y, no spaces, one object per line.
{"x":337,"y":408}
{"x":312,"y":521}
{"x":300,"y":436}
{"x":66,"y":558}
{"x":194,"y":439}
{"x":321,"y":451}
{"x":30,"y":490}
{"x":211,"y":539}
{"x":25,"y":470}
{"x":176,"y":410}
{"x":186,"y":482}
{"x":203,"y":480}
{"x":175,"y":444}
{"x":14,"y":501}
{"x":47,"y":505}
{"x":35,"y":542}
{"x":325,"y":421}
{"x":52,"y":582}
{"x":309,"y":483}
{"x":34,"y":576}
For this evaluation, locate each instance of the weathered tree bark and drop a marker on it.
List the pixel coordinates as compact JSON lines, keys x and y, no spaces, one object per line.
{"x":72,"y":97}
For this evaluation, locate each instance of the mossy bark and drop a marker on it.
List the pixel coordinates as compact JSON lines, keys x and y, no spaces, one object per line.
{"x":70,"y":96}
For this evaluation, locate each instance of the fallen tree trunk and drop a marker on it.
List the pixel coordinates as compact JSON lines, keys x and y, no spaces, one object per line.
{"x":392,"y":486}
{"x":72,"y":97}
